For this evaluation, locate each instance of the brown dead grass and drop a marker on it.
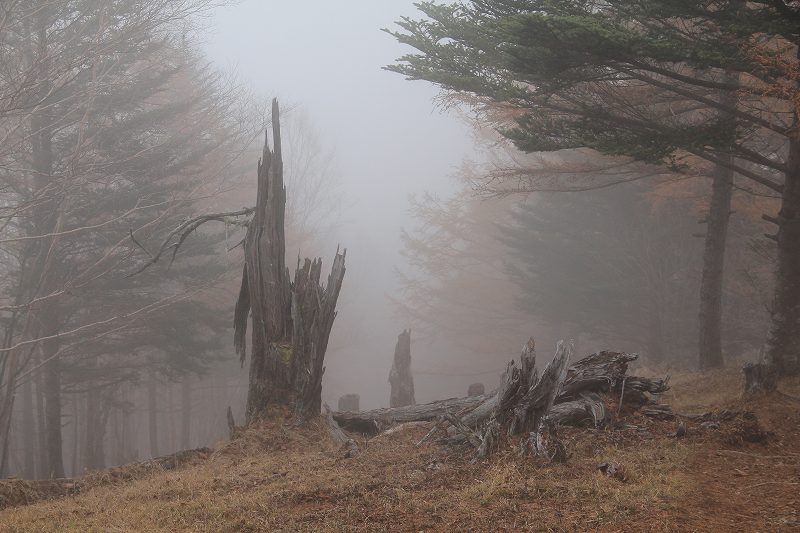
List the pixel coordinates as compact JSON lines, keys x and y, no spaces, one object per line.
{"x":282,"y":478}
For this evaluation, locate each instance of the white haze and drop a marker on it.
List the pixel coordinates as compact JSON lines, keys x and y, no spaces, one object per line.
{"x":390,"y":141}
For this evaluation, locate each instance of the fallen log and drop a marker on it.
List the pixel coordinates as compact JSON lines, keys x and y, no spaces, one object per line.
{"x":578,"y":401}
{"x":376,"y":420}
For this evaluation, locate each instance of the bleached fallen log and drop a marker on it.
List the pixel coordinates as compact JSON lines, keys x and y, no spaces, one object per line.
{"x":577,"y":403}
{"x":374,"y":421}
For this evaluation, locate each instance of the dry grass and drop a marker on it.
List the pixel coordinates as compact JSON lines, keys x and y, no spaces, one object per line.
{"x":281,"y":478}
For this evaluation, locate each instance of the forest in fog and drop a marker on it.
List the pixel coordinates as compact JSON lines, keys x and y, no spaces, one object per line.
{"x":624,"y":175}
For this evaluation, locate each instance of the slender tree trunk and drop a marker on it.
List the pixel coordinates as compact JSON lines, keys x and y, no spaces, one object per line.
{"x":172,"y":445}
{"x":6,"y":436}
{"x":152,"y":415}
{"x":711,"y":281}
{"x":42,"y":467}
{"x":90,"y":459}
{"x":126,"y":435}
{"x":100,"y":427}
{"x":712,"y":278}
{"x":186,"y":413}
{"x":28,"y":431}
{"x":783,"y":340}
{"x":52,"y":391}
{"x":76,"y":435}
{"x":655,"y":337}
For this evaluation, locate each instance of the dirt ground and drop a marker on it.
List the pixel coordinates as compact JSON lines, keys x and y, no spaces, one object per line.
{"x":743,"y":476}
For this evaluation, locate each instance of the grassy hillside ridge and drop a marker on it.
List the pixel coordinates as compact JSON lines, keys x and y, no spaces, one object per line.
{"x":281,"y":478}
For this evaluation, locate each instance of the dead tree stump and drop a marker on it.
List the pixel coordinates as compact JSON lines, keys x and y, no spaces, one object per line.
{"x":476,"y":389}
{"x":400,"y":378}
{"x":349,"y":403}
{"x":291,"y":320}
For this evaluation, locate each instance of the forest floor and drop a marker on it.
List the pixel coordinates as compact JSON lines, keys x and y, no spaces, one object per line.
{"x":280,"y":478}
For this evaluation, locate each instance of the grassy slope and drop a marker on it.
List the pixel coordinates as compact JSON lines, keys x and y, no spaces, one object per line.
{"x":279,"y":478}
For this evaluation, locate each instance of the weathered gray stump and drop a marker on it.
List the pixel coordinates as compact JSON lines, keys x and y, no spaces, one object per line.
{"x":349,"y":402}
{"x":291,"y":319}
{"x":525,"y":400}
{"x":400,"y":378}
{"x":476,"y":389}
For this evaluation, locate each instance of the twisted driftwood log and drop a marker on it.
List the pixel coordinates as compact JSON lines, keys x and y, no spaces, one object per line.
{"x":524,"y":402}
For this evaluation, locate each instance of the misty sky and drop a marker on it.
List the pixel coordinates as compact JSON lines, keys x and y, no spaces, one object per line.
{"x":389,"y":138}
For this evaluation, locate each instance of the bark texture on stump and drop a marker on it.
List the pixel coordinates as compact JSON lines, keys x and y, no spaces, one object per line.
{"x":400,"y":377}
{"x":291,"y":320}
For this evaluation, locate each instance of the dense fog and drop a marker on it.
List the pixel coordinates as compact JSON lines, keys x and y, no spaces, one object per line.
{"x":121,"y":120}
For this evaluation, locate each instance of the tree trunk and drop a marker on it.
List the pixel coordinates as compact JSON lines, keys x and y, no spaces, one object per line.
{"x":28,"y":431}
{"x":400,"y":378}
{"x":152,"y":415}
{"x":782,"y":350}
{"x":186,"y":412}
{"x":76,"y":435}
{"x":46,"y":220}
{"x":712,"y":278}
{"x":42,"y":467}
{"x":711,"y":281}
{"x":783,"y":339}
{"x":655,"y":336}
{"x":52,"y":391}
{"x":291,"y":321}
{"x":129,"y":452}
{"x":169,"y":420}
{"x":97,"y":412}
